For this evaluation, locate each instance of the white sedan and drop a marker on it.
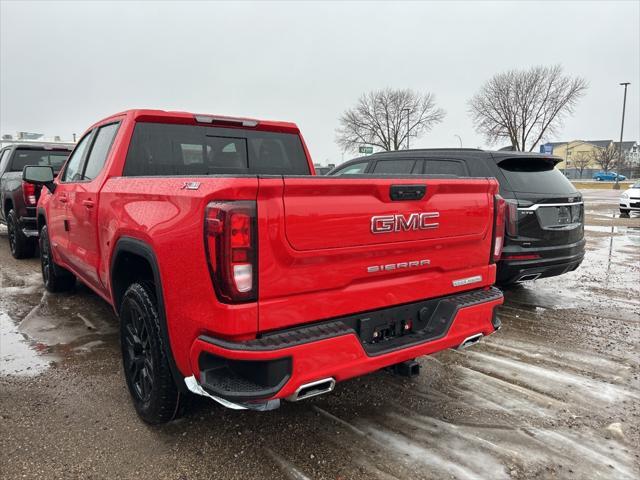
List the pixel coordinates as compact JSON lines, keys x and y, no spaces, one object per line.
{"x":630,"y":199}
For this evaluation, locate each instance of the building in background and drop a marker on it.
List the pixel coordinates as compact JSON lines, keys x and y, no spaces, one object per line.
{"x":578,"y":157}
{"x":631,"y":152}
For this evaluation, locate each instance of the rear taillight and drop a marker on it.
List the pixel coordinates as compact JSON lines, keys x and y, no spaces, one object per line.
{"x":29,"y":194}
{"x":230,"y":241}
{"x":498,"y":227}
{"x":511,"y":207}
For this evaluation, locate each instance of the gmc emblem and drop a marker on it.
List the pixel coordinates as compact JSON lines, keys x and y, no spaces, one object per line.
{"x":402,"y":223}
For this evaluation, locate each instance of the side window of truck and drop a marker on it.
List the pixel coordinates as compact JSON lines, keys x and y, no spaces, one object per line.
{"x":99,"y":150}
{"x":74,"y":164}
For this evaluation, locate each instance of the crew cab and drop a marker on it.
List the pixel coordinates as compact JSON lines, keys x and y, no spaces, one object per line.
{"x":239,"y":275}
{"x":18,"y":198}
{"x":545,"y":213}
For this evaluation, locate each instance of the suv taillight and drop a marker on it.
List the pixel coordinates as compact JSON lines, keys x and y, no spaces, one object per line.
{"x":230,"y":241}
{"x":29,"y":194}
{"x":498,"y":227}
{"x":512,"y":217}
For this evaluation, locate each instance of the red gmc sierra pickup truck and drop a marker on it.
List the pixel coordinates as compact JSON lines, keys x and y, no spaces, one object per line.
{"x":238,"y":274}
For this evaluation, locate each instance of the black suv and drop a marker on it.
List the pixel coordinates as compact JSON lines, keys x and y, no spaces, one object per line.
{"x":18,"y":198}
{"x":545,"y":213}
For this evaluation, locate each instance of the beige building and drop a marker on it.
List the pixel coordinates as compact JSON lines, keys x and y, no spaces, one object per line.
{"x":569,"y":151}
{"x":578,"y":154}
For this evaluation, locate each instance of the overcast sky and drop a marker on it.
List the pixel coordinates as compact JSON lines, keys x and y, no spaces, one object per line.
{"x":65,"y":65}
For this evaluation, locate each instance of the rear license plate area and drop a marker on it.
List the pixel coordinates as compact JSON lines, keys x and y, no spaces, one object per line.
{"x":397,"y":322}
{"x":559,"y":216}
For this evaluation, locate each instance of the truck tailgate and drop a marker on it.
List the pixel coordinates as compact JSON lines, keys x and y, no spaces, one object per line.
{"x":335,"y":246}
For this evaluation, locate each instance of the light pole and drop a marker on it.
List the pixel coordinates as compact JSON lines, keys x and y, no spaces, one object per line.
{"x":407,"y":110}
{"x":459,"y":139}
{"x":624,"y":106}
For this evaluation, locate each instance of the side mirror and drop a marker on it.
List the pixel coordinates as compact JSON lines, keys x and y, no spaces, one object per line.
{"x":39,"y":175}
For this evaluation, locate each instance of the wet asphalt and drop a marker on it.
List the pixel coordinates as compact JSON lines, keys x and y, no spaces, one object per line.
{"x":554,"y":394}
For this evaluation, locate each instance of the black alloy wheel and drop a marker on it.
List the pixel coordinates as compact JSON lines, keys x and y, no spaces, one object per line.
{"x":138,"y":361}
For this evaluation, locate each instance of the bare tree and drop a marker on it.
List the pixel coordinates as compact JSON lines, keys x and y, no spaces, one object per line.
{"x":581,"y":160}
{"x":380,"y":119}
{"x":605,"y":157}
{"x":525,"y":105}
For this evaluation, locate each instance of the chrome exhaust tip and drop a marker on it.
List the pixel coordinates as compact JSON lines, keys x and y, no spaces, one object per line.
{"x":313,"y":389}
{"x":469,"y":341}
{"x":529,"y":277}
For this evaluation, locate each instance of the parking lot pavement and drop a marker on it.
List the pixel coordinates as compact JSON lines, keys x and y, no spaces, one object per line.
{"x":554,"y":394}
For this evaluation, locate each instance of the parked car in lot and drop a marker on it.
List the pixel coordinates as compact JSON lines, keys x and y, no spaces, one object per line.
{"x":545,"y":213}
{"x":238,"y":275}
{"x":630,"y":199}
{"x":608,"y":176}
{"x":18,"y":199}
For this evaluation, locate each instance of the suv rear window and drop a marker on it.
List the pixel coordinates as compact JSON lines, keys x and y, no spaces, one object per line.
{"x":23,"y":157}
{"x":166,"y":149}
{"x":535,"y":175}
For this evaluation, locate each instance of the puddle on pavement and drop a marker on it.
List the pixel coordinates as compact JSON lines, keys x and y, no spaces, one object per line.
{"x":18,"y":356}
{"x":61,"y":320}
{"x":39,"y":328}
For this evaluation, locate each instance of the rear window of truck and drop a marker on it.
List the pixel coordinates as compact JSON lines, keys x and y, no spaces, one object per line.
{"x":159,"y":149}
{"x":23,"y":157}
{"x":535,"y":175}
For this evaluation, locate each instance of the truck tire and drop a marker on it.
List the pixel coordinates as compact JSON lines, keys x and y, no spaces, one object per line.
{"x":55,"y":278}
{"x":21,"y":246}
{"x":146,"y":367}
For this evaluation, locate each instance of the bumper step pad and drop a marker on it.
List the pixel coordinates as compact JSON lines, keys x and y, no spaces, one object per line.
{"x":441,"y":310}
{"x":242,"y":381}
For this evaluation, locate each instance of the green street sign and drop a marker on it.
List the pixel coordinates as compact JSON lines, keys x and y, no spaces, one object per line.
{"x":367,"y":150}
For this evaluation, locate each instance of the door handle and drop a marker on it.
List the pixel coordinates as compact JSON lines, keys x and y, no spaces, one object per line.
{"x":88,"y":203}
{"x":63,"y":199}
{"x":407,"y":192}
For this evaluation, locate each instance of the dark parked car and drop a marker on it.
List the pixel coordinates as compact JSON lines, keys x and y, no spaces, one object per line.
{"x":18,"y":198}
{"x":545,"y":213}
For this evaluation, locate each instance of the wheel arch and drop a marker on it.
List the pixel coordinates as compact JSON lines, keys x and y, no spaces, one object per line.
{"x":41,"y":218}
{"x":132,"y":252}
